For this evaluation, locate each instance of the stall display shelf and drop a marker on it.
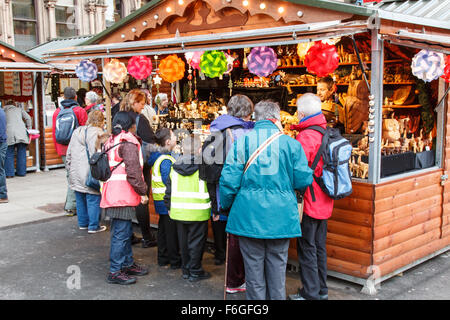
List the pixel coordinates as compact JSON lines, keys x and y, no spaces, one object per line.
{"x":340,"y":64}
{"x":412,"y":106}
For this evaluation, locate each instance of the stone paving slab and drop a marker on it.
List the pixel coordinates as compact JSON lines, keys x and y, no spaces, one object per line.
{"x":35,"y":197}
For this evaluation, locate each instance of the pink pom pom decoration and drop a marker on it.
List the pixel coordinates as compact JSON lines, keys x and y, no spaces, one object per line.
{"x":140,"y":67}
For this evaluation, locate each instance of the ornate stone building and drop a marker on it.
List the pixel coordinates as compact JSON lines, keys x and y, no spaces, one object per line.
{"x":27,"y":23}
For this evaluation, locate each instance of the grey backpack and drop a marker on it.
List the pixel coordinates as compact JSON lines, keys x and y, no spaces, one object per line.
{"x":66,"y":123}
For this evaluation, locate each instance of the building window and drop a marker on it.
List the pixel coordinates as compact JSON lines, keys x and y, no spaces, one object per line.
{"x":24,"y":20}
{"x":113,"y":12}
{"x":65,"y":16}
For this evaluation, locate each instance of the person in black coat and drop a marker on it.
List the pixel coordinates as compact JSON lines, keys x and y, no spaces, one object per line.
{"x":133,"y":103}
{"x":116,"y":98}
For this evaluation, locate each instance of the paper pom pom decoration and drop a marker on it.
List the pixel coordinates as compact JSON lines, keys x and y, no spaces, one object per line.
{"x":213,"y":63}
{"x":193,"y":59}
{"x":427,"y":65}
{"x":262,"y":61}
{"x":172,"y":68}
{"x":140,"y":67}
{"x":115,"y":71}
{"x":321,"y":59}
{"x":230,"y":63}
{"x":446,"y":75}
{"x":86,"y":71}
{"x":302,"y":49}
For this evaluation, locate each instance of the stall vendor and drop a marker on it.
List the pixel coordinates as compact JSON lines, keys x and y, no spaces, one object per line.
{"x":333,"y":111}
{"x":162,"y":104}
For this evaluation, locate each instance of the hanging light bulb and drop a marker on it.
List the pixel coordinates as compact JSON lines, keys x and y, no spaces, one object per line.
{"x":262,"y":5}
{"x":180,"y":2}
{"x":168,"y":9}
{"x":280,"y":10}
{"x":245,"y":3}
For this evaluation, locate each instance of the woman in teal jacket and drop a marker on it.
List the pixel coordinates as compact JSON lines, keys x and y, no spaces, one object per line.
{"x":264,"y":211}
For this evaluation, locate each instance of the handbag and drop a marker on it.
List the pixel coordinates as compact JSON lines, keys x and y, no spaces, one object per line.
{"x":91,"y":182}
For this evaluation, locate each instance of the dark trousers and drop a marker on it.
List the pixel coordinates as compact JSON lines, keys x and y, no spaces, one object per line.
{"x":312,"y":257}
{"x":168,"y":249}
{"x":235,"y":267}
{"x":220,"y":239}
{"x":192,"y":240}
{"x":142,"y":214}
{"x":3,"y":189}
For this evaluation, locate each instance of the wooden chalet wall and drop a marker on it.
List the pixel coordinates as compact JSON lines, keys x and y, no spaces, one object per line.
{"x":446,"y":191}
{"x":349,"y":239}
{"x":407,"y":221}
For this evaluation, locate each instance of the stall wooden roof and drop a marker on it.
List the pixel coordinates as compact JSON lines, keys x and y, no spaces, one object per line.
{"x":13,"y":59}
{"x":203,"y":24}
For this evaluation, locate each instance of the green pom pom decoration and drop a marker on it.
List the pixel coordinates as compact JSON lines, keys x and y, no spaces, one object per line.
{"x":213,"y":63}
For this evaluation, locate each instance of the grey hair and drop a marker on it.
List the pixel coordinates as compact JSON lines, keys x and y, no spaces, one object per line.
{"x":161,"y":97}
{"x":267,"y":109}
{"x":92,"y":97}
{"x":240,"y":106}
{"x":309,"y":104}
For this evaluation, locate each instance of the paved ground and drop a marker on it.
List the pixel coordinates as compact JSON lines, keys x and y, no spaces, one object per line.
{"x":35,"y":197}
{"x":40,"y":258}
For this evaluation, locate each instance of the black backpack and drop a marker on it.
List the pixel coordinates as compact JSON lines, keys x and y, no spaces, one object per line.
{"x":99,"y":164}
{"x":66,"y":123}
{"x":214,"y":154}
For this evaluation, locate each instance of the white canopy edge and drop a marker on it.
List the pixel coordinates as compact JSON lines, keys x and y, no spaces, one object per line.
{"x":24,"y":67}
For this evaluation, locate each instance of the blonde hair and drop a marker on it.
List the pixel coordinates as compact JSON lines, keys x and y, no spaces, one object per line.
{"x":96,"y":119}
{"x":135,"y":95}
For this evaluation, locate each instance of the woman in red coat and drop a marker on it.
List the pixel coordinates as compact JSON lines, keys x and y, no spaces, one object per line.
{"x":312,"y":254}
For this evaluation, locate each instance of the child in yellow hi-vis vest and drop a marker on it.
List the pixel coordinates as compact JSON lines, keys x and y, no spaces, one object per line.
{"x":188,"y":202}
{"x":161,"y":162}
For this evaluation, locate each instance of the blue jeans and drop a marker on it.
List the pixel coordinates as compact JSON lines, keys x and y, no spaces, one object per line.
{"x":121,"y":254}
{"x":88,"y":210}
{"x":21,"y":163}
{"x":3,"y":191}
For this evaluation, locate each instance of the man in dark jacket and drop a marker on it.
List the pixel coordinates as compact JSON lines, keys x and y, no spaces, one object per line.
{"x":311,"y":249}
{"x":3,"y":148}
{"x":70,"y":100}
{"x":237,"y":122}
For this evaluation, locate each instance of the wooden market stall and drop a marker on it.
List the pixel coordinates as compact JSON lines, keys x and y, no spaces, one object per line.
{"x":398,"y":213}
{"x":19,"y":82}
{"x":51,"y":86}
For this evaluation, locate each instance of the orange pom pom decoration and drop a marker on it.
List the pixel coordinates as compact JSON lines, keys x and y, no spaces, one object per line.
{"x":172,"y":68}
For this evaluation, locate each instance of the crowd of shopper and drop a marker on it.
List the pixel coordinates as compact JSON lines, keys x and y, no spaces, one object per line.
{"x":252,"y":204}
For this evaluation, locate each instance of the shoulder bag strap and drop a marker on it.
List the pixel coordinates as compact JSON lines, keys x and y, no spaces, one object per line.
{"x":318,"y":156}
{"x":261,"y":148}
{"x":85,"y":143}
